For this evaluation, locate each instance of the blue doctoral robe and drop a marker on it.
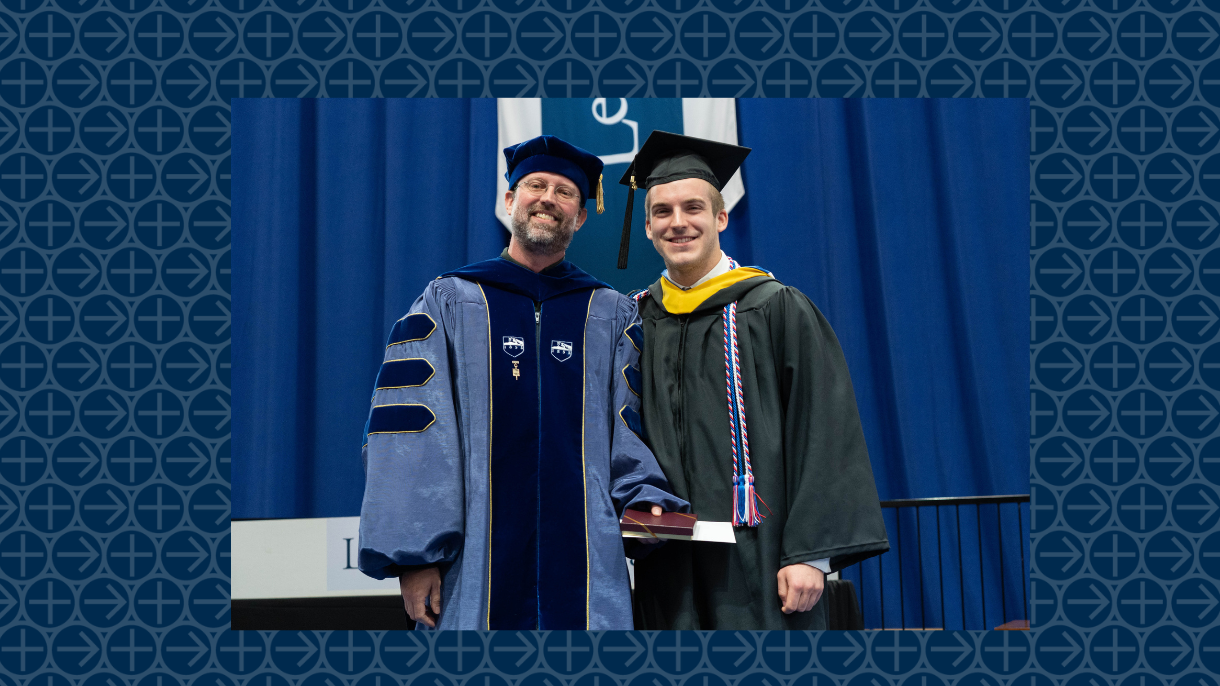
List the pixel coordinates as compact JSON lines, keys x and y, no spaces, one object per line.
{"x":503,"y":445}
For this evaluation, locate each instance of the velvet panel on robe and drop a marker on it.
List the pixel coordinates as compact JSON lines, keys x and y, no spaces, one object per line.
{"x":810,"y":462}
{"x":430,"y":489}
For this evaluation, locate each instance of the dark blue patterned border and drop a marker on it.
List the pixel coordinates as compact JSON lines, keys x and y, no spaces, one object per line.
{"x":114,"y":319}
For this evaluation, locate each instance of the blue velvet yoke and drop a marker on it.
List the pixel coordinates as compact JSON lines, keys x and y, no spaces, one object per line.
{"x":538,"y":521}
{"x":556,"y":280}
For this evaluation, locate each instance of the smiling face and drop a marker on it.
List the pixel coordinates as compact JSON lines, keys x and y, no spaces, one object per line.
{"x":684,"y":225}
{"x":544,"y":222}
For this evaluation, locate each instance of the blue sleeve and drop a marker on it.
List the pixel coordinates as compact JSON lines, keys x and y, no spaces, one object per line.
{"x":412,"y":513}
{"x":635,"y":476}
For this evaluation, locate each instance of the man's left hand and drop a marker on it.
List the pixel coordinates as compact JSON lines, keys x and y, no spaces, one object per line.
{"x":800,"y":587}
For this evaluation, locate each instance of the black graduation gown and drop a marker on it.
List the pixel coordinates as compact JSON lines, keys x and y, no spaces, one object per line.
{"x":807,"y":449}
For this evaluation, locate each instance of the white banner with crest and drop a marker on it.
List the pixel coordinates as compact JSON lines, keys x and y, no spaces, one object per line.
{"x":522,"y":118}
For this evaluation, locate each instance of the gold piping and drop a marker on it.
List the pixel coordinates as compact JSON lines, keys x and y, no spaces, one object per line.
{"x":421,"y":337}
{"x":407,"y":359}
{"x":624,"y":373}
{"x":487,"y":310}
{"x":624,"y":420}
{"x":416,"y":431}
{"x":637,"y":348}
{"x":584,"y":392}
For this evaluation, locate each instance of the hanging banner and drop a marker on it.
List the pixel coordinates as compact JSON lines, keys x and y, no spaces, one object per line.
{"x":614,"y":129}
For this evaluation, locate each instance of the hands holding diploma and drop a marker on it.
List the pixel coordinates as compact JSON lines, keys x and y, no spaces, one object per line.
{"x":656,"y":512}
{"x":800,"y":586}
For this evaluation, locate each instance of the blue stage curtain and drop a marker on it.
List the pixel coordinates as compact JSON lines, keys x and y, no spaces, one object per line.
{"x":904,"y":221}
{"x":343,"y":210}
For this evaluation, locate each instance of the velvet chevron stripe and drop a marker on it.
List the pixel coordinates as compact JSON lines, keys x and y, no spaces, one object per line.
{"x":404,"y":373}
{"x":634,"y":379}
{"x":631,"y":418}
{"x":635,"y":333}
{"x":413,"y":327}
{"x":400,"y":419}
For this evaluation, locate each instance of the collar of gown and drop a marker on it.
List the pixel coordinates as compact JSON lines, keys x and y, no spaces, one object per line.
{"x":557,"y":279}
{"x":678,"y":299}
{"x":721,"y":267}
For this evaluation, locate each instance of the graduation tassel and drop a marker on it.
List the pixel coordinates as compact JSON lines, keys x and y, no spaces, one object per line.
{"x":601,"y":200}
{"x":745,"y":509}
{"x":625,"y":242}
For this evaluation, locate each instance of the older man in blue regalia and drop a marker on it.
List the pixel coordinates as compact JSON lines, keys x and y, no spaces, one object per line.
{"x":503,"y":442}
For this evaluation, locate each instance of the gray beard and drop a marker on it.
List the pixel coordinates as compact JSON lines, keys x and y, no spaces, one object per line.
{"x":541,"y":241}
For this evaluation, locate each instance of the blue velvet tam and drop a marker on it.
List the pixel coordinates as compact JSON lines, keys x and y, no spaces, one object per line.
{"x":555,"y":155}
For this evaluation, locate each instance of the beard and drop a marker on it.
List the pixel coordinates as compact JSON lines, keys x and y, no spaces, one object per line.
{"x":543,"y":239}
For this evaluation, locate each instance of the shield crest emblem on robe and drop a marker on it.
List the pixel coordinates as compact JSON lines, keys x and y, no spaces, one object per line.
{"x":561,"y":350}
{"x":514,"y":345}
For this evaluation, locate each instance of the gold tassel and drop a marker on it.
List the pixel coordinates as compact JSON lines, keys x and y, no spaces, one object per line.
{"x":624,"y":246}
{"x":601,"y":201}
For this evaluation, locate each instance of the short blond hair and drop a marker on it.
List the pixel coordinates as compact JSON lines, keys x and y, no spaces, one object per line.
{"x":714,"y":195}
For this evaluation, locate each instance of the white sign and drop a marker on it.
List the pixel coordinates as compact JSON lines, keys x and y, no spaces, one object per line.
{"x":300,"y":558}
{"x":342,"y":570}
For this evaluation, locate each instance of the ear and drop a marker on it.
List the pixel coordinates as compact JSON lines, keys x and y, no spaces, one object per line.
{"x":508,"y":202}
{"x":580,"y":218}
{"x":722,"y":221}
{"x":648,"y":227}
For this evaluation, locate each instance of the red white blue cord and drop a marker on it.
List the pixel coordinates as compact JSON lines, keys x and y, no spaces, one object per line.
{"x":745,"y":507}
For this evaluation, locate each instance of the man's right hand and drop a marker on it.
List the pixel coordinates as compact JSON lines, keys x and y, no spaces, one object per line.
{"x":656,"y":512}
{"x":418,"y":586}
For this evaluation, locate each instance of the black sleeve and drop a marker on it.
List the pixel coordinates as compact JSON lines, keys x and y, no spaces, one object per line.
{"x":833,"y":511}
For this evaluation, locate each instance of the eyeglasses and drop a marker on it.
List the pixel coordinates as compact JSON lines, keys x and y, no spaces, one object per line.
{"x":538,"y":187}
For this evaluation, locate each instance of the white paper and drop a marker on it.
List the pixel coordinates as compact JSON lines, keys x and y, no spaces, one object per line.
{"x":713,"y":532}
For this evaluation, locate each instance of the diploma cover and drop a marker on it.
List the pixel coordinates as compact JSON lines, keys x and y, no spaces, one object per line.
{"x":675,"y":525}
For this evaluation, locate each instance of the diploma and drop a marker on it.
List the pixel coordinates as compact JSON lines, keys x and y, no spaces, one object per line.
{"x":674,"y":525}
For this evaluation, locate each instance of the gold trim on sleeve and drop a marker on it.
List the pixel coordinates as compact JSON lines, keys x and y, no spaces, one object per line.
{"x":637,"y":348}
{"x":624,"y":421}
{"x":430,"y":332}
{"x":408,"y":359}
{"x":414,"y":431}
{"x":623,"y":373}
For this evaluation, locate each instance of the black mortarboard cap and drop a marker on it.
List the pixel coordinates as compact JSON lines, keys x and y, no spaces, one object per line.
{"x":666,"y":157}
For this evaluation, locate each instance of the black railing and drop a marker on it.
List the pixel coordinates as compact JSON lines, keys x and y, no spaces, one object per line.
{"x":1001,"y":565}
